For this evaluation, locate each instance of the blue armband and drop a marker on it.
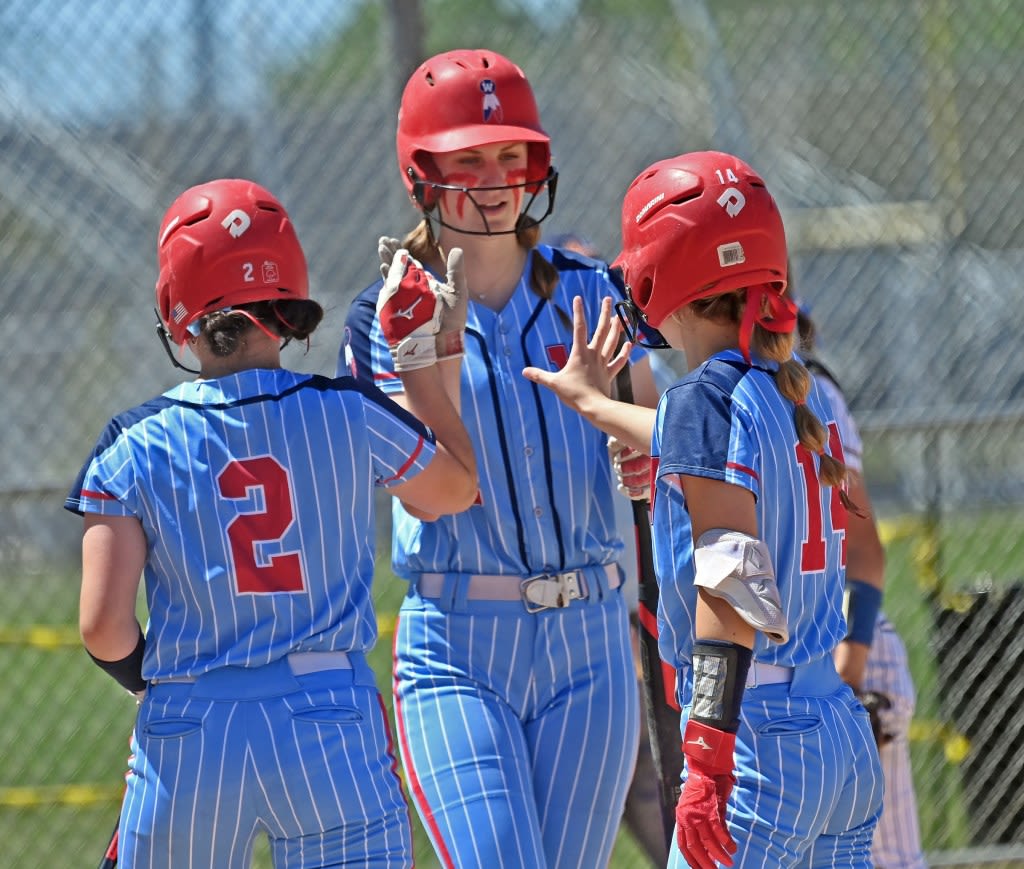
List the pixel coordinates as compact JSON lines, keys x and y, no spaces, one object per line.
{"x":863,"y":601}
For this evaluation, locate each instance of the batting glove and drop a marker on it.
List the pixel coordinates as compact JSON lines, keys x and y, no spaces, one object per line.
{"x":701,"y":832}
{"x":876,"y":704}
{"x":387,"y":247}
{"x":449,"y":340}
{"x":411,"y":308}
{"x":632,"y":470}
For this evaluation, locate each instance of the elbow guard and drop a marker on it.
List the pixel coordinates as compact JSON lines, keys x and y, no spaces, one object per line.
{"x":738,"y":568}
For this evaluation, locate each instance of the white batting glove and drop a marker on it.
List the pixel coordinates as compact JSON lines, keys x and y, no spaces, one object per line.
{"x":632,"y":470}
{"x":450,"y":337}
{"x":387,"y":247}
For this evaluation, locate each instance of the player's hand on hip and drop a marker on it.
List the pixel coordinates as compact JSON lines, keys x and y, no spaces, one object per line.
{"x":593,"y":363}
{"x":632,"y":470}
{"x":411,"y":306}
{"x":701,"y":832}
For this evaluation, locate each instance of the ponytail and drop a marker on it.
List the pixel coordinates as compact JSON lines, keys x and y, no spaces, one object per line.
{"x":792,"y":379}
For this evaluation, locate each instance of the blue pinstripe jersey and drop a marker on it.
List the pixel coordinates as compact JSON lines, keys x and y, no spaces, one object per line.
{"x":546,"y":483}
{"x":255,"y":492}
{"x":726,"y":420}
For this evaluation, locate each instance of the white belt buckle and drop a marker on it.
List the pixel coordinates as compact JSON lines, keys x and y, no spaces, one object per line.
{"x":552,"y":591}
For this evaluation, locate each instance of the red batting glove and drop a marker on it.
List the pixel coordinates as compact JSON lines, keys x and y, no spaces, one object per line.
{"x":410,"y":310}
{"x":632,"y":469}
{"x":701,"y":833}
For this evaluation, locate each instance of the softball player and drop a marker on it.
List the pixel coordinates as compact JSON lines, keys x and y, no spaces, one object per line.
{"x":872,"y":659}
{"x":749,"y":518}
{"x":245,"y":498}
{"x":515,"y":695}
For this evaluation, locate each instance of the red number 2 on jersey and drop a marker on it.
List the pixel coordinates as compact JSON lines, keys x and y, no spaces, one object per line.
{"x":247,"y":530}
{"x":812,"y":553}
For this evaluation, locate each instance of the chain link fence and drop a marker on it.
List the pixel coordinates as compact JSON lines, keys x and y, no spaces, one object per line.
{"x":889,"y":130}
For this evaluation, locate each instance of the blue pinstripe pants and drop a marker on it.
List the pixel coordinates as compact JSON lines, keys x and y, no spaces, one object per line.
{"x":809,"y":781}
{"x":518,"y":731}
{"x":307,"y":757}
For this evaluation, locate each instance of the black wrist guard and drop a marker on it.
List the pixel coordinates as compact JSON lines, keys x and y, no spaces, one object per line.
{"x":128,"y":671}
{"x":719,"y":679}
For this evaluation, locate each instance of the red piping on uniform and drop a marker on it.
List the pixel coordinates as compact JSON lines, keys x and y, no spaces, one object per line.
{"x":414,"y":782}
{"x":408,"y":462}
{"x":743,"y":468}
{"x":103,"y":496}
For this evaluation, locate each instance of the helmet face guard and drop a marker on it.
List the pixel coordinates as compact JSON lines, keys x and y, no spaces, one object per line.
{"x":427,"y":191}
{"x":635,"y":325}
{"x":468,"y":99}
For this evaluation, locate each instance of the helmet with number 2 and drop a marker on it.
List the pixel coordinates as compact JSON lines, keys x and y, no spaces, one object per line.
{"x":466,"y":99}
{"x":222,"y":244}
{"x":699,"y":225}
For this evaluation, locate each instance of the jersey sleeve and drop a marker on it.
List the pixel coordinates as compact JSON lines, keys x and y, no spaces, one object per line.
{"x":106,"y":483}
{"x":703,"y":433}
{"x":364,"y":351}
{"x":401,"y":445}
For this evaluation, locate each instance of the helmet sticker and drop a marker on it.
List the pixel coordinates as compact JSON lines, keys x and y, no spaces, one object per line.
{"x":270,"y":272}
{"x":179,"y":312}
{"x":731,"y":254}
{"x":492,"y":105}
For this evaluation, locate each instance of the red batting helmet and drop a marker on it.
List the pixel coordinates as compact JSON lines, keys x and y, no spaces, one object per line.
{"x":698,"y":225}
{"x":465,"y":99}
{"x":222,"y":244}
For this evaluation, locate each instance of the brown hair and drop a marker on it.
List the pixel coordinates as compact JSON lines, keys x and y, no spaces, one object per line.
{"x":224,"y":331}
{"x":792,"y":379}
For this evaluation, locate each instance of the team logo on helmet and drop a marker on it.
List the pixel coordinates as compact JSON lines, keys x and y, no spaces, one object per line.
{"x":492,"y":105}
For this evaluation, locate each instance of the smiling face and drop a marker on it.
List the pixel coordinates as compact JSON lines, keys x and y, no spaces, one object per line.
{"x":494,"y":176}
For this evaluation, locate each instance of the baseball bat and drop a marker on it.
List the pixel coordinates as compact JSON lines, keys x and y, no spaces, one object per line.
{"x":659,"y":679}
{"x":109,"y":860}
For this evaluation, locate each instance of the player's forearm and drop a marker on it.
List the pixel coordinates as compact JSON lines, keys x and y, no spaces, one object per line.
{"x":629,"y":423}
{"x":851,"y":662}
{"x":428,"y":396}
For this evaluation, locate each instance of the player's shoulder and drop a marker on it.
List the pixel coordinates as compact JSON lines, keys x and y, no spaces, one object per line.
{"x":720,"y":373}
{"x":566,"y":260}
{"x":365,"y":301}
{"x":126,"y":422}
{"x":583,"y":275}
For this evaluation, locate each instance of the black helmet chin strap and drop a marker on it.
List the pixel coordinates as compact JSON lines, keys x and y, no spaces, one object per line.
{"x":550,"y":182}
{"x":164,"y":337}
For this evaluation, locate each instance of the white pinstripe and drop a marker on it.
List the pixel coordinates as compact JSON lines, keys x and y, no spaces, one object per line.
{"x":556,"y":691}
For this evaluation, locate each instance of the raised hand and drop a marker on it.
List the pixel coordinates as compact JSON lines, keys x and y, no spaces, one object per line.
{"x":449,"y":341}
{"x":410,"y":307}
{"x":387,"y":247}
{"x":592,"y":363}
